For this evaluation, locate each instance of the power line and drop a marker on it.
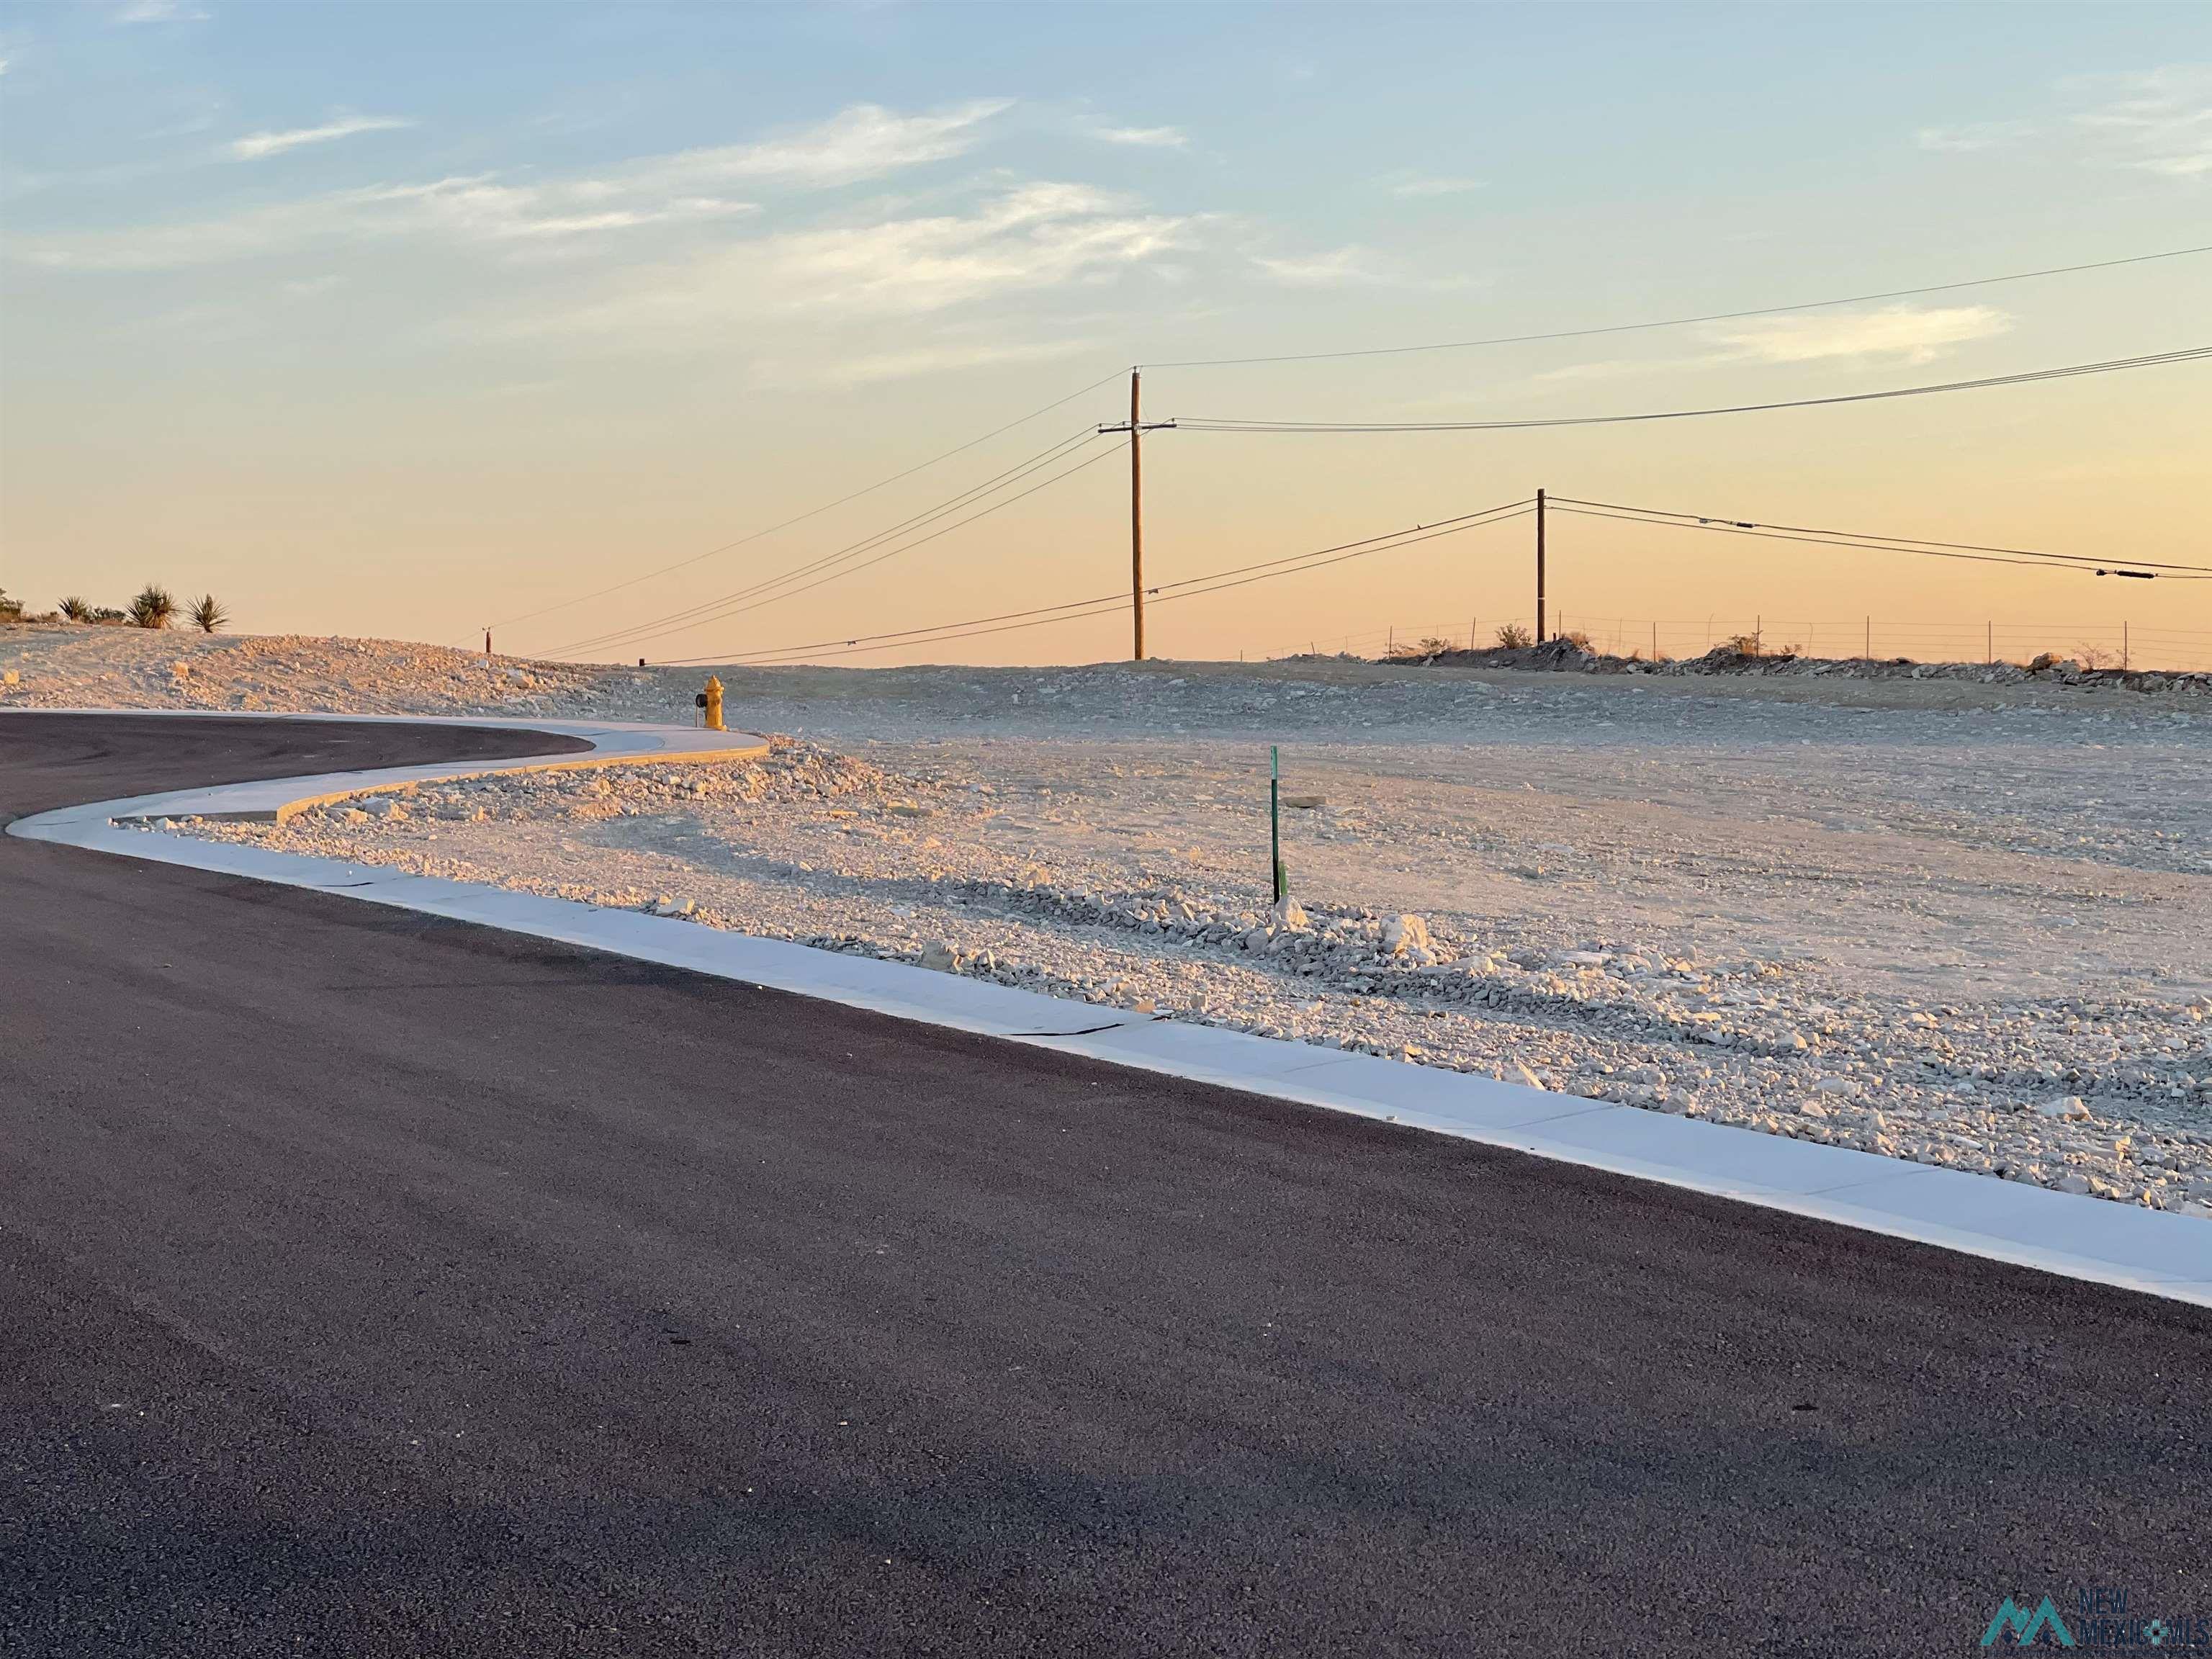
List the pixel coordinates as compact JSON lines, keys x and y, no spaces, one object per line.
{"x":723,"y":614}
{"x":1107,"y":604}
{"x":1503,"y":516}
{"x":1723,"y":519}
{"x":812,"y":513}
{"x":1443,"y":525}
{"x":2190,"y":354}
{"x":2034,"y":561}
{"x":700,"y":611}
{"x":1682,"y":322}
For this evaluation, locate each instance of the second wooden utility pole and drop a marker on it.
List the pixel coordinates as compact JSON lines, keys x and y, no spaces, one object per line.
{"x":1540,"y":566}
{"x":1136,"y":428}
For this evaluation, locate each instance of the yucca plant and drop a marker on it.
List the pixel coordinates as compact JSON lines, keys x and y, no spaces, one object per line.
{"x":154,"y":607}
{"x":76,"y":610}
{"x":207,"y":615}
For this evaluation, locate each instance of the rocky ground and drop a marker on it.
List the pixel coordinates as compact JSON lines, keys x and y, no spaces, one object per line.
{"x":1952,"y":918}
{"x":1999,"y":977}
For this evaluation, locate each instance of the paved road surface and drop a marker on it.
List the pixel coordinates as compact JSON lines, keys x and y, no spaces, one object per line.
{"x":376,"y":1284}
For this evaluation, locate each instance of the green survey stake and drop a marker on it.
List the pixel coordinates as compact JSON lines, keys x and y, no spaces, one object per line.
{"x":1275,"y":815}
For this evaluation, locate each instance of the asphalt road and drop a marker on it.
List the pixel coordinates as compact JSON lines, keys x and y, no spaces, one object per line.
{"x":378,"y":1284}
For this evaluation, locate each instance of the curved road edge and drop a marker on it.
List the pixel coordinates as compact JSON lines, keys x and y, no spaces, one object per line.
{"x":2078,"y":1238}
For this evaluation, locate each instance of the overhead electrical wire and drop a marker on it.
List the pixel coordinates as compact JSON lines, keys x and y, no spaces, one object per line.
{"x":1166,"y":592}
{"x":1317,"y":558}
{"x":732,"y":604}
{"x":2046,"y":562}
{"x":812,"y":513}
{"x":914,"y":520}
{"x":756,"y":597}
{"x":1682,"y":322}
{"x":1118,"y":604}
{"x":1046,"y":483}
{"x":826,"y":568}
{"x":1464,"y":521}
{"x":1205,"y":423}
{"x":1727,"y":521}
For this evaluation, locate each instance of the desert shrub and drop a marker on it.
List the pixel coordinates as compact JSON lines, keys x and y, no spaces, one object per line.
{"x":10,"y":609}
{"x":1577,"y":638}
{"x":1514,"y":637}
{"x":1746,"y":645}
{"x":1421,"y":650}
{"x":2090,"y":656}
{"x":207,"y":615}
{"x":154,"y":607}
{"x":76,"y":610}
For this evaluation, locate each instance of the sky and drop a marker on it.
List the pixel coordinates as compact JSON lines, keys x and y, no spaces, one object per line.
{"x":402,"y":320}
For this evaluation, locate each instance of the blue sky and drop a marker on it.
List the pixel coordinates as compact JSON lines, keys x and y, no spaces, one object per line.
{"x":397,"y":318}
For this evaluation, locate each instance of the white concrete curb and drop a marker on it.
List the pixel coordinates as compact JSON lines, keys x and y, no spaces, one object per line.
{"x":2084,"y":1238}
{"x":614,"y":743}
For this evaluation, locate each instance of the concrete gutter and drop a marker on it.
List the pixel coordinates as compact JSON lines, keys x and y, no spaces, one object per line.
{"x":2150,"y":1251}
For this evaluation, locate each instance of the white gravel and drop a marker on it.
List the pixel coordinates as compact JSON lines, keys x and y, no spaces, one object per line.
{"x":1944,"y":920}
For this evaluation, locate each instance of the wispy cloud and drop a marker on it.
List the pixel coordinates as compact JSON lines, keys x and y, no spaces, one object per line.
{"x":477,"y":208}
{"x":947,"y":356}
{"x":2159,"y":120}
{"x":1033,"y":237}
{"x":1895,"y":333}
{"x":255,"y":145}
{"x":159,"y":11}
{"x":1344,"y":267}
{"x":1975,"y":135}
{"x":1143,"y":137}
{"x":1416,"y":189}
{"x":862,"y":142}
{"x":1911,"y":334}
{"x":1351,"y":266}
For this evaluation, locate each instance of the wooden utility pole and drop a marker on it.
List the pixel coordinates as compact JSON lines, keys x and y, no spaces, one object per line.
{"x":1136,"y":428}
{"x":1540,"y":566}
{"x":1136,"y":526}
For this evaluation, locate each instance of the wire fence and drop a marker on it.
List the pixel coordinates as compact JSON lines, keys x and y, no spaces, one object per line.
{"x":2118,"y":643}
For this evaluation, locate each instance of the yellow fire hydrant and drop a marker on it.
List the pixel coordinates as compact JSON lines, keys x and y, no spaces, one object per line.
{"x":711,"y":701}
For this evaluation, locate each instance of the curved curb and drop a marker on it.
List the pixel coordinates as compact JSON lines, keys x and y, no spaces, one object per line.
{"x":2125,"y":1246}
{"x":275,"y":800}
